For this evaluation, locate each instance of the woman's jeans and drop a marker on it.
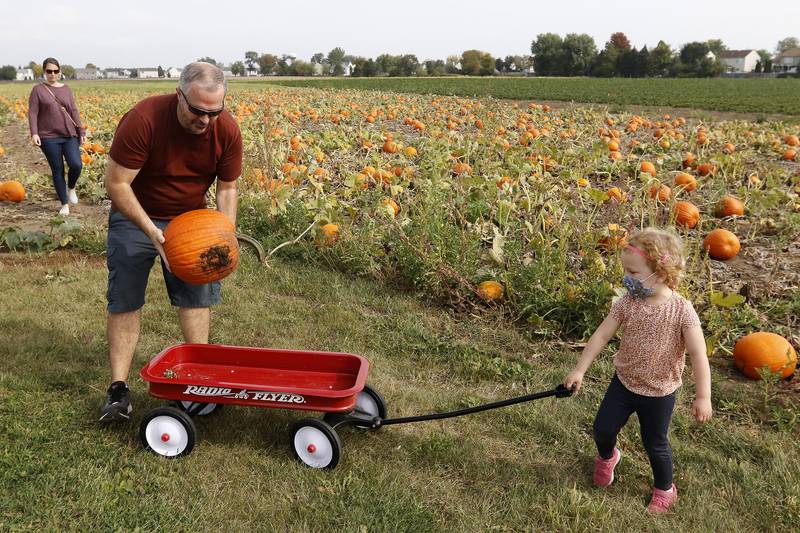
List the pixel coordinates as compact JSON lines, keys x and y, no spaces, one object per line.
{"x":56,"y":150}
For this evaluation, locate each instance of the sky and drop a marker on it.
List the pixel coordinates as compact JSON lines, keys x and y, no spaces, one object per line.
{"x":148,"y":33}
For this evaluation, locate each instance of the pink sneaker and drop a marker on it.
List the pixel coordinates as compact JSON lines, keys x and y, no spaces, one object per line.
{"x":662,"y":500}
{"x":604,"y":469}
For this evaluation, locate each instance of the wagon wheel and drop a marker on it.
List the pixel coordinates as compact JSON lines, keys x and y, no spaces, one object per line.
{"x":168,"y":432}
{"x":197,"y":408}
{"x":369,"y":404}
{"x":316,"y":444}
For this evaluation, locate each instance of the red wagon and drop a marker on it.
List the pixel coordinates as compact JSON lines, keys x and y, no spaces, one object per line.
{"x":201,"y":378}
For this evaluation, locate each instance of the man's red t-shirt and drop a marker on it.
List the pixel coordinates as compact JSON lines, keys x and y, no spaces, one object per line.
{"x":176,"y":167}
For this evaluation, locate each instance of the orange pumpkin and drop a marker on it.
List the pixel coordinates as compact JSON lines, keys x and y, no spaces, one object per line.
{"x":729,"y":206}
{"x":686,"y":214}
{"x":490,"y":290}
{"x":764,"y":349}
{"x":789,"y":155}
{"x":11,"y":191}
{"x":615,"y":237}
{"x":660,"y":192}
{"x":201,"y":246}
{"x":617,"y":194}
{"x":791,"y":140}
{"x":329,"y":234}
{"x":391,"y":206}
{"x":721,"y":244}
{"x":648,"y":168}
{"x":687,"y":181}
{"x":707,"y":168}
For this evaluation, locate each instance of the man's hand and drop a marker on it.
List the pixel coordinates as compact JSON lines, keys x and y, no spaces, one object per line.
{"x":157,"y":236}
{"x":574,"y":381}
{"x":701,"y":409}
{"x":36,"y":140}
{"x":83,"y":139}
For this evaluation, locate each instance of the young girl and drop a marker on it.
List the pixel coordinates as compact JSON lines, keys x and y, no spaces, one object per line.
{"x":657,"y":325}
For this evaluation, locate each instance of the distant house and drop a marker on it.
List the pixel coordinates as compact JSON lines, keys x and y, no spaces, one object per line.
{"x":146,"y":72}
{"x":318,"y":69}
{"x":711,"y":55}
{"x":227,"y":72}
{"x":117,"y":73}
{"x":87,"y":73}
{"x":788,"y":61}
{"x":173,"y":72}
{"x":24,"y":74}
{"x":740,"y":60}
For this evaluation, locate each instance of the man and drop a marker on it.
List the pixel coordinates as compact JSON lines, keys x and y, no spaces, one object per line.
{"x":166,"y":153}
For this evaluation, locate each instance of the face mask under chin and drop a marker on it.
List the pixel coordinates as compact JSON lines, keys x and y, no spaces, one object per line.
{"x":636,"y":286}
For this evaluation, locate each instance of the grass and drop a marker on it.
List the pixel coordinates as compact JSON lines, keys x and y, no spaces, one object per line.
{"x":520,"y":468}
{"x":716,"y":94}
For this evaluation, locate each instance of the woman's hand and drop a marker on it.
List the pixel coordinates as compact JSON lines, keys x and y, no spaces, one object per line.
{"x":701,"y":409}
{"x":573,"y":381}
{"x":83,"y":139}
{"x":36,"y":140}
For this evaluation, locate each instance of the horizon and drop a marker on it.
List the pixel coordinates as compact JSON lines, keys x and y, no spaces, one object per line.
{"x":148,"y":34}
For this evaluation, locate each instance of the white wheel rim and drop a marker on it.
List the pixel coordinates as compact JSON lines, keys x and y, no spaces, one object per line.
{"x":313,"y":447}
{"x":367,"y":404}
{"x":166,"y":435}
{"x":202,"y":412}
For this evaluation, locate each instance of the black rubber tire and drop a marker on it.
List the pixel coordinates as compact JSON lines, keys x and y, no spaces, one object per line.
{"x":327,"y":432}
{"x":182,"y":418}
{"x":379,"y":402}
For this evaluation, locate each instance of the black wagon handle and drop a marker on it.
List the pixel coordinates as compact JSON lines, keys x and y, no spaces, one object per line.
{"x":559,"y":392}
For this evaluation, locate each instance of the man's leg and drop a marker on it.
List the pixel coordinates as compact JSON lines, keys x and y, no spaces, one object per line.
{"x":123,"y":334}
{"x":195,"y":324}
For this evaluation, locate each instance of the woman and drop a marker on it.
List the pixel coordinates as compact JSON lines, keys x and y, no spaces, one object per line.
{"x":56,"y":128}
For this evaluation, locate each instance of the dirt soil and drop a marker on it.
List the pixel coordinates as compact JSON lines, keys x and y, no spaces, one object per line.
{"x":25,"y":162}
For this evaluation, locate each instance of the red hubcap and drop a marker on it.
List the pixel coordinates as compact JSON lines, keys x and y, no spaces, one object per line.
{"x":165,"y":437}
{"x":311,"y":448}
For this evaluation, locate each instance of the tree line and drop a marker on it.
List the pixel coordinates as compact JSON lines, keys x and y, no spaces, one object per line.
{"x":551,"y":55}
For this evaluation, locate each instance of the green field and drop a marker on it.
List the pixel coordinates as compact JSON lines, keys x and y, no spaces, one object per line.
{"x":521,"y":468}
{"x":767,"y":96}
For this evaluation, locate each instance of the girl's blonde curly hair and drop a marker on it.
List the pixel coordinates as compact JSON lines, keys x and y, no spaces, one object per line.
{"x":664,"y":250}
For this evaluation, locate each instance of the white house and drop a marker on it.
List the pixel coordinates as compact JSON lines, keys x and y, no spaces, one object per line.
{"x":87,"y":73}
{"x":788,"y":61}
{"x":317,"y":69}
{"x":24,"y":74}
{"x":117,"y":73}
{"x":147,"y":72}
{"x":740,"y":60}
{"x":173,"y":72}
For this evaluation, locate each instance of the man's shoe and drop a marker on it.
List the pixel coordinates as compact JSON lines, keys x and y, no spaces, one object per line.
{"x":662,"y":500}
{"x":604,"y":469}
{"x":118,"y":403}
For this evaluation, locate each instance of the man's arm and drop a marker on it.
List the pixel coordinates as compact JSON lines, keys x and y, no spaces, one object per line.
{"x":227,"y":199}
{"x":118,"y":181}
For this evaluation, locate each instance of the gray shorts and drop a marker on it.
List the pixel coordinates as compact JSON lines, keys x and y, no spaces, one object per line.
{"x":130,"y":256}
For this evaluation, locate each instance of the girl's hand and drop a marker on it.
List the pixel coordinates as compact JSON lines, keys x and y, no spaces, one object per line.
{"x":36,"y":140}
{"x":573,"y":381}
{"x":701,"y":409}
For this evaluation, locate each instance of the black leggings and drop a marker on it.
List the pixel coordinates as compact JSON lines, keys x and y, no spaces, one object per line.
{"x":654,"y":416}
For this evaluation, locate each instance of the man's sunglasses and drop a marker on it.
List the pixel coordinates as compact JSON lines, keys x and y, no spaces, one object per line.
{"x":201,"y":112}
{"x":50,"y":71}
